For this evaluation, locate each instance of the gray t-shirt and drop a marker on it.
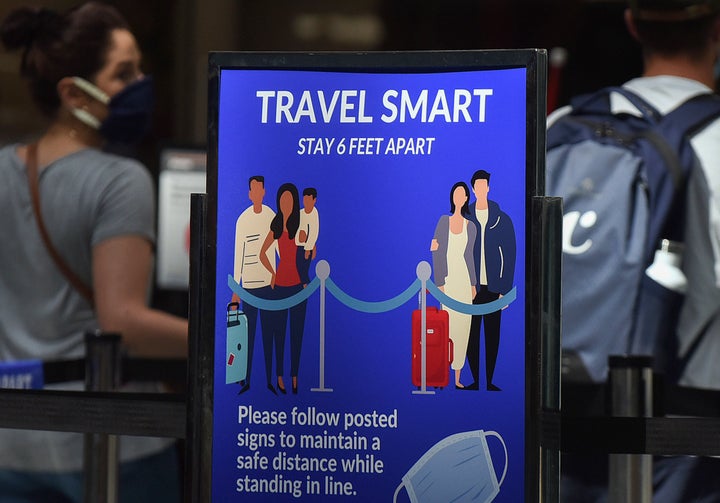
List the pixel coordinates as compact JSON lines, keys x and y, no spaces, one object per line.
{"x":86,"y":197}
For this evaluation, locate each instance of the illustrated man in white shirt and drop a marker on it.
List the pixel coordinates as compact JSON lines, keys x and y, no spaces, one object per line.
{"x":251,"y":228}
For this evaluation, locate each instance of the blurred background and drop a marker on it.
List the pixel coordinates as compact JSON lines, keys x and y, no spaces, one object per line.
{"x":176,"y":35}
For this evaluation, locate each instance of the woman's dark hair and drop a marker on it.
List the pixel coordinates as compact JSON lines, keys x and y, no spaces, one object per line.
{"x":276,"y":226}
{"x":58,"y":45}
{"x":465,"y":210}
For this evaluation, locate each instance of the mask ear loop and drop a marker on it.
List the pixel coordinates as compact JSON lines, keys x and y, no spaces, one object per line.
{"x":397,"y":491}
{"x":497,"y":435}
{"x":86,"y":117}
{"x":91,"y":89}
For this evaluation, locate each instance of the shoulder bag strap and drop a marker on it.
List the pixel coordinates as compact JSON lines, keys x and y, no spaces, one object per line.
{"x":32,"y":173}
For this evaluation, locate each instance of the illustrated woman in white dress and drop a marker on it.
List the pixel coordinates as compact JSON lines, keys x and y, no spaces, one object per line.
{"x":454,"y":269}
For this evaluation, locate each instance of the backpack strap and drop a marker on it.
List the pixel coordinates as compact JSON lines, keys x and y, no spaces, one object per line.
{"x":679,"y":126}
{"x":599,"y":103}
{"x":649,"y":112}
{"x":690,"y":118}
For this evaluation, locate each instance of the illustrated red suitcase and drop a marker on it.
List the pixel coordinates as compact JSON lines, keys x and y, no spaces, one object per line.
{"x":439,"y":352}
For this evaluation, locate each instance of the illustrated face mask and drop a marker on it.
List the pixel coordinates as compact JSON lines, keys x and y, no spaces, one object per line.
{"x":130,"y":110}
{"x":458,"y":468}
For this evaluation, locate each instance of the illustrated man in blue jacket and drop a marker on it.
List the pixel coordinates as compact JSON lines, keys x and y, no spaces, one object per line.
{"x":495,"y":267}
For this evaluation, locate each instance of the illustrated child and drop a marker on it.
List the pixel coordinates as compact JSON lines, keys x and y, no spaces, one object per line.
{"x":307,"y":235}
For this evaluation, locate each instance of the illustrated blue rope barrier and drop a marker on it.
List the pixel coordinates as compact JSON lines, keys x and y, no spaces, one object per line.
{"x":323,"y":282}
{"x":373,"y":307}
{"x":277,"y":304}
{"x":476,"y":309}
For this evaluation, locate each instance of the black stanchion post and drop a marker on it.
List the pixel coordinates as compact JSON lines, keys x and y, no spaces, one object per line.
{"x":198,"y":454}
{"x":630,"y":396}
{"x":102,"y":373}
{"x":545,"y":288}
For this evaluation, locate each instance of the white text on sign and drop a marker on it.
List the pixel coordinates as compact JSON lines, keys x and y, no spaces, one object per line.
{"x":349,"y":106}
{"x":365,"y":146}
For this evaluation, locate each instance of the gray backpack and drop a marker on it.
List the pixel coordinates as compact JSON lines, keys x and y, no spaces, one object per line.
{"x":622,"y":178}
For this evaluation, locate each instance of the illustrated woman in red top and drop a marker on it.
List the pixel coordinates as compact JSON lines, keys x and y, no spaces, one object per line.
{"x":285,"y":282}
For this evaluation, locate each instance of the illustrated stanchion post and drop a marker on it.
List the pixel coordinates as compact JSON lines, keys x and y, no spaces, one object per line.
{"x":322,"y":270}
{"x":423,"y":273}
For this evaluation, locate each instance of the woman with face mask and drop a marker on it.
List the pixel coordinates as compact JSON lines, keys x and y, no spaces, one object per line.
{"x":77,"y":224}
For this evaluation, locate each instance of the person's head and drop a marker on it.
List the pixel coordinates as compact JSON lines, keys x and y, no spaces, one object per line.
{"x":256,"y":192}
{"x":288,"y":210}
{"x":76,"y":62}
{"x":480,"y":182}
{"x":309,"y":198}
{"x":460,"y":198}
{"x":671,"y":28}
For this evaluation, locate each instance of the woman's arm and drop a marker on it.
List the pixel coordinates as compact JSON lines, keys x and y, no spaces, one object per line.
{"x":121,"y":274}
{"x":263,"y":257}
{"x":470,"y":252}
{"x":439,"y":254}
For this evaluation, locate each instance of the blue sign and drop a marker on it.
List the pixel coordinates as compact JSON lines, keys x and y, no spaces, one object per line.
{"x":371,"y":227}
{"x":25,"y":374}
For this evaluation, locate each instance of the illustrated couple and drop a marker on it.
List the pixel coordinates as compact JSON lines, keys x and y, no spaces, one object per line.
{"x":273,"y":252}
{"x":473,"y":253}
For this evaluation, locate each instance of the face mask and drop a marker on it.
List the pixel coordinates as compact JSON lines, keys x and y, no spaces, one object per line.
{"x":458,"y":468}
{"x":130,"y":110}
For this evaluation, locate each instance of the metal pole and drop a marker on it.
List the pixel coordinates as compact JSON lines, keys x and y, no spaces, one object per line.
{"x":423,"y":336}
{"x":423,"y":272}
{"x":322,"y":270}
{"x":630,"y":478}
{"x":102,"y":373}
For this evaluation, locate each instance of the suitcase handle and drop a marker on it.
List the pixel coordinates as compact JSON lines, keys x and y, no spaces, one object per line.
{"x":451,"y":350}
{"x":233,"y":315}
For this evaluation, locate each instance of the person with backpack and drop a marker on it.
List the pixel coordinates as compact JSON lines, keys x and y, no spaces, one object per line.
{"x":639,"y":168}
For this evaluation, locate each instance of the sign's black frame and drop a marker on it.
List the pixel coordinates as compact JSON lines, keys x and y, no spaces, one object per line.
{"x":542,"y":316}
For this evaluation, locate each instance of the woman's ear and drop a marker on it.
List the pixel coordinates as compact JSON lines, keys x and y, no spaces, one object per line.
{"x":70,"y":95}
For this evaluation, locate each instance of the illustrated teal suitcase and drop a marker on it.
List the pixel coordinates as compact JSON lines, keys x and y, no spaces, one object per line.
{"x":236,"y":356}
